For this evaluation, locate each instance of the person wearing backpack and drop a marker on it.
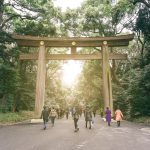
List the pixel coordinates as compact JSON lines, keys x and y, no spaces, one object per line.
{"x":53,"y":115}
{"x":88,"y":117}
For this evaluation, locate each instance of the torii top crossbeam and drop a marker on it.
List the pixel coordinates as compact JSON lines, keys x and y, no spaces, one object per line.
{"x":33,"y":41}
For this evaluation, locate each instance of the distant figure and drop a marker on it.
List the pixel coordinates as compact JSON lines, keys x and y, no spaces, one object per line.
{"x":53,"y":115}
{"x":94,"y":113}
{"x":118,"y":116}
{"x":67,"y":113}
{"x":76,"y":118}
{"x":108,"y":115}
{"x":101,"y":113}
{"x":45,"y":116}
{"x":58,"y":113}
{"x":88,"y":117}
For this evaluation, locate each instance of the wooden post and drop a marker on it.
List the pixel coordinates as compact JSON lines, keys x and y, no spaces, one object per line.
{"x":105,"y":62}
{"x":40,"y":83}
{"x":110,"y":93}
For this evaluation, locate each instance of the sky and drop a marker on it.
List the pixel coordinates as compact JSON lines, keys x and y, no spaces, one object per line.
{"x":68,"y":3}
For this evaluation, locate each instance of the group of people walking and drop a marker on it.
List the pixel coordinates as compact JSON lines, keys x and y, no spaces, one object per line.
{"x":48,"y":113}
{"x":51,"y":113}
{"x":118,"y":116}
{"x":87,"y":115}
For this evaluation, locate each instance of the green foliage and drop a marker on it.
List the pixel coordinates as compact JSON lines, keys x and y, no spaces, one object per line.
{"x":35,"y":28}
{"x":145,"y":120}
{"x":9,"y":79}
{"x":90,"y":84}
{"x":140,"y":93}
{"x":9,"y":83}
{"x":5,"y":38}
{"x":143,"y":22}
{"x":101,"y":18}
{"x":70,"y":22}
{"x":138,"y":88}
{"x":96,"y":19}
{"x":15,"y":117}
{"x":120,"y":100}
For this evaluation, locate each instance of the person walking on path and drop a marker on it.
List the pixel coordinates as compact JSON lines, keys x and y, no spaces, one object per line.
{"x":53,"y":115}
{"x":108,"y":115}
{"x":118,"y":116}
{"x":67,"y":113}
{"x":94,"y":112}
{"x":45,"y":116}
{"x":88,"y":117}
{"x":76,"y":118}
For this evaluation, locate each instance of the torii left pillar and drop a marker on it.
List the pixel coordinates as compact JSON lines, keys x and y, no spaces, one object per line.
{"x":40,"y":82}
{"x":107,"y":87}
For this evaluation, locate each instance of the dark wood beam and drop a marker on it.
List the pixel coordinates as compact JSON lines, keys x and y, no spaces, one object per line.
{"x":73,"y":56}
{"x":32,"y":41}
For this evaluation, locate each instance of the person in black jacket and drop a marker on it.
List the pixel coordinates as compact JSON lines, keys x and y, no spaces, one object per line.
{"x":76,"y":118}
{"x":88,"y":117}
{"x":45,"y":116}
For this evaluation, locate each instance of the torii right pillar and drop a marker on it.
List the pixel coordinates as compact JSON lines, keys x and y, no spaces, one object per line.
{"x":107,"y":86}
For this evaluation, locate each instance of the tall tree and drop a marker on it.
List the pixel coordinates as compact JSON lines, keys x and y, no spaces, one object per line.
{"x":140,"y":87}
{"x":22,"y":17}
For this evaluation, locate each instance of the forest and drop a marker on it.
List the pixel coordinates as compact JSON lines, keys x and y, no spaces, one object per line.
{"x":94,"y":18}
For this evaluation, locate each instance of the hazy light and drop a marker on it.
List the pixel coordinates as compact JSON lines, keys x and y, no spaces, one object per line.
{"x":71,"y":71}
{"x":68,"y":3}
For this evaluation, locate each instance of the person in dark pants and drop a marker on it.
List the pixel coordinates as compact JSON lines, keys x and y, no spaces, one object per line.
{"x":88,"y":117}
{"x":76,"y":118}
{"x":118,"y":116}
{"x":45,"y":116}
{"x":53,"y":115}
{"x":67,"y":113}
{"x":94,"y":113}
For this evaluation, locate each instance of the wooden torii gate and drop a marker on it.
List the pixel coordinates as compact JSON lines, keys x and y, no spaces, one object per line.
{"x":73,"y":43}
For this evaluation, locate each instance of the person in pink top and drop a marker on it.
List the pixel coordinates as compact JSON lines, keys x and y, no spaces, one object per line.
{"x":118,"y":116}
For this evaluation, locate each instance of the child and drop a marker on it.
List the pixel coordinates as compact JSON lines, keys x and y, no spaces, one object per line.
{"x":118,"y":116}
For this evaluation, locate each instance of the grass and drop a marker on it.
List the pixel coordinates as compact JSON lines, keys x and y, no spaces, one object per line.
{"x":144,"y":120}
{"x":6,"y":118}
